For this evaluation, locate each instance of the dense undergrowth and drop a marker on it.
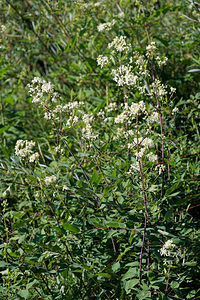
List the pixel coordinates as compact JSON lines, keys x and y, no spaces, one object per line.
{"x":99,"y":156}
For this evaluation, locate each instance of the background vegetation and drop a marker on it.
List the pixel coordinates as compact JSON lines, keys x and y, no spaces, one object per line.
{"x":90,"y":216}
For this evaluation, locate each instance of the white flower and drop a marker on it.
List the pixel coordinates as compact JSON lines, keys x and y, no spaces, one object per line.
{"x":173,"y":90}
{"x":158,"y":88}
{"x":135,"y":108}
{"x":151,"y":157}
{"x":175,"y":110}
{"x":119,"y":44}
{"x":39,"y":88}
{"x":106,"y":26}
{"x":151,"y":49}
{"x":153,"y":118}
{"x":161,"y":61}
{"x":124,"y":76}
{"x":47,"y":87}
{"x":160,"y":168}
{"x":111,"y":107}
{"x":102,"y":60}
{"x":2,"y":28}
{"x":134,"y":167}
{"x":50,"y":179}
{"x":34,"y":157}
{"x":167,"y":248}
{"x":121,"y":118}
{"x":24,"y":148}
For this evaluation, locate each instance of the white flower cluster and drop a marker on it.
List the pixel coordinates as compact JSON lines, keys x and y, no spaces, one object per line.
{"x":172,"y":90}
{"x":124,"y":76}
{"x":160,"y":168}
{"x":175,"y":110}
{"x":106,"y":26}
{"x":23,"y":149}
{"x":119,"y":44}
{"x":130,"y":112}
{"x":145,"y":144}
{"x":90,"y":5}
{"x":158,"y":88}
{"x":111,"y":107}
{"x":151,"y":50}
{"x":2,"y":28}
{"x":137,"y":108}
{"x":152,"y":157}
{"x":101,"y":114}
{"x":87,"y":130}
{"x":153,"y":118}
{"x":34,"y":157}
{"x":39,"y":89}
{"x":141,"y":63}
{"x":50,"y":179}
{"x":102,"y":60}
{"x":134,"y":167}
{"x":161,"y":61}
{"x":167,"y":248}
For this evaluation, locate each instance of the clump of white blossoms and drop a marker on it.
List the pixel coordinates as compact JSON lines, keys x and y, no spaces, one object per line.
{"x":153,"y":118}
{"x":106,"y":26}
{"x":24,"y":149}
{"x":87,"y":130}
{"x":130,"y":112}
{"x":90,"y":5}
{"x":152,"y":157}
{"x":167,"y":248}
{"x":151,"y":50}
{"x":157,"y":88}
{"x":124,"y":76}
{"x":102,"y":60}
{"x":34,"y":157}
{"x":111,"y":107}
{"x":160,"y":168}
{"x":42,"y":92}
{"x":161,"y":61}
{"x":2,"y":28}
{"x":119,"y":44}
{"x":145,"y":144}
{"x":134,"y":167}
{"x":175,"y":110}
{"x":50,"y":179}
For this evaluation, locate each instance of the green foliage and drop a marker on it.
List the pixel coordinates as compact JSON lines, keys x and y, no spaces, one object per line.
{"x":99,"y":156}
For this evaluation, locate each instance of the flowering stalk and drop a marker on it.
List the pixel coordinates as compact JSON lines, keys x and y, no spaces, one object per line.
{"x":161,"y":133}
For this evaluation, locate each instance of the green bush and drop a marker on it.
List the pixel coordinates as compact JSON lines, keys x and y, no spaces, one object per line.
{"x":99,"y":150}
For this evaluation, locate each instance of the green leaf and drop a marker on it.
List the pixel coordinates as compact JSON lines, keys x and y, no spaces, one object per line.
{"x":132,"y":272}
{"x":71,"y":228}
{"x":2,"y":264}
{"x":190,"y":263}
{"x":116,"y":267}
{"x":144,"y":295}
{"x":174,"y":284}
{"x":130,"y":284}
{"x":115,"y":224}
{"x":9,"y":100}
{"x":121,"y":255}
{"x":105,"y":275}
{"x":172,"y":189}
{"x":2,"y":129}
{"x":24,"y":294}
